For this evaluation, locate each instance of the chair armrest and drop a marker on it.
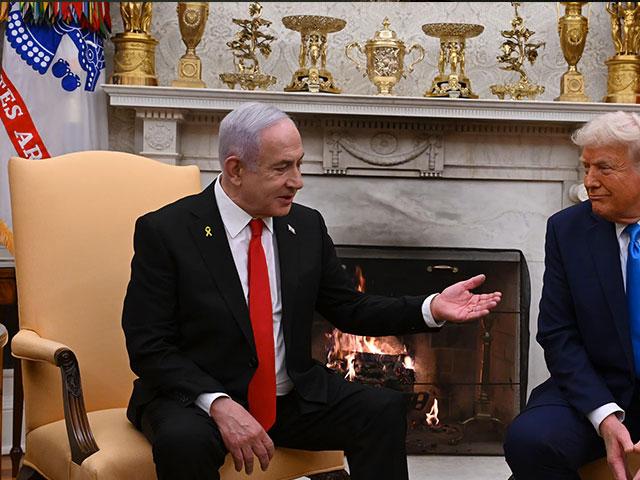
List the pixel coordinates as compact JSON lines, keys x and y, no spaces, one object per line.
{"x":28,"y":345}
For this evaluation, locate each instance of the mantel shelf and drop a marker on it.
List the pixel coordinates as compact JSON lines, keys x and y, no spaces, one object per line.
{"x":223,"y":100}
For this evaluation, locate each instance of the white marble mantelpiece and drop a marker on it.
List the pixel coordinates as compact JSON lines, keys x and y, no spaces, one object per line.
{"x":224,"y":100}
{"x":368,"y":135}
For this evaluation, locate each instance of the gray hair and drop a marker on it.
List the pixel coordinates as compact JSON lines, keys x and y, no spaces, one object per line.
{"x":240,"y":131}
{"x":616,"y":129}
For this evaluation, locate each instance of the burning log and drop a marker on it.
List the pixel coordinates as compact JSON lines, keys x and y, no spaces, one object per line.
{"x":377,"y":369}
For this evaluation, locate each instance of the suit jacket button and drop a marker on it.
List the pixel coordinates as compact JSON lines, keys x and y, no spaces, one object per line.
{"x":253,"y":362}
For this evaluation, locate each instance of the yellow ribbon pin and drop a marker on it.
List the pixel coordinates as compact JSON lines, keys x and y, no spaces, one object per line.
{"x":207,"y":231}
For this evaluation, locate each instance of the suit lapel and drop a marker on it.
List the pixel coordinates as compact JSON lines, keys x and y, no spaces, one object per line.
{"x":606,"y":256}
{"x":289,"y":257}
{"x":216,"y":253}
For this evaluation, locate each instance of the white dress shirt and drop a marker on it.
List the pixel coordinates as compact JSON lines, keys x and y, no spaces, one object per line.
{"x":599,"y":414}
{"x":236,"y":226}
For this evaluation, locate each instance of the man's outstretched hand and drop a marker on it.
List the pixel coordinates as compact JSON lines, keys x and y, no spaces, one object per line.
{"x":243,"y":436}
{"x":458,"y":304}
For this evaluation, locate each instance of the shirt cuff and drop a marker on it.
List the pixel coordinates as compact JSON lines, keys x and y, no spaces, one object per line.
{"x":426,"y":313}
{"x":599,"y":414}
{"x":205,"y":400}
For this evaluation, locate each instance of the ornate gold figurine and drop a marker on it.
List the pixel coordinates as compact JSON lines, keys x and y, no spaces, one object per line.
{"x":623,"y":84}
{"x":134,"y":61}
{"x":313,"y":32}
{"x":452,"y":37}
{"x":573,"y":29}
{"x":517,"y":49}
{"x":192,"y":18}
{"x":249,"y":39}
{"x":385,"y":58}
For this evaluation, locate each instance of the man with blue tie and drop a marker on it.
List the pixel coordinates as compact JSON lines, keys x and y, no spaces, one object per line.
{"x":589,"y":323}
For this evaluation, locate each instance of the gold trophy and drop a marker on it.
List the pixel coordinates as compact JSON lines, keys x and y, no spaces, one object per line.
{"x":452,"y":43}
{"x":134,"y":60}
{"x":192,"y":18}
{"x":313,"y":32}
{"x":573,"y":29}
{"x":623,"y":84}
{"x":249,"y":39}
{"x":385,"y":58}
{"x":516,"y":49}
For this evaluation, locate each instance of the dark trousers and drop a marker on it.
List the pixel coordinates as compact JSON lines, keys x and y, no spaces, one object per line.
{"x":552,"y":442}
{"x":369,"y":424}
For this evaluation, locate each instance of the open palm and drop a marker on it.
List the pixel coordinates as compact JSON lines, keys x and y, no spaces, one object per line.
{"x":458,"y":304}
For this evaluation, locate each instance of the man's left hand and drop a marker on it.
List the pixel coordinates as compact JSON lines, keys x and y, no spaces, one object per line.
{"x":458,"y":304}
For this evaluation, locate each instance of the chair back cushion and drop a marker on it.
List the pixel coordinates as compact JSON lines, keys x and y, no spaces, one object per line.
{"x":73,"y":221}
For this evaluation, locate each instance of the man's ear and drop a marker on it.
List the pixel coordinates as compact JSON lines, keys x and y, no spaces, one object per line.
{"x":234,"y":169}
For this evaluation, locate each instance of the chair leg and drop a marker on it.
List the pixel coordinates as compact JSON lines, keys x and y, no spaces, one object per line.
{"x":337,"y":475}
{"x":28,"y":473}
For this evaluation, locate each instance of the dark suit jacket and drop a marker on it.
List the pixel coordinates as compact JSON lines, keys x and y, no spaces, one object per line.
{"x":584,"y":321}
{"x":185,"y":316}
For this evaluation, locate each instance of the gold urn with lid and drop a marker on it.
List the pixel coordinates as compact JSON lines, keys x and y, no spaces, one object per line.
{"x":385,"y":58}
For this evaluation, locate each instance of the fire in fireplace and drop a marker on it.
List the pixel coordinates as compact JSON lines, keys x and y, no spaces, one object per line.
{"x":463,"y":384}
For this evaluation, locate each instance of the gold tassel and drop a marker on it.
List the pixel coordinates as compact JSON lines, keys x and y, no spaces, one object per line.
{"x":6,"y":237}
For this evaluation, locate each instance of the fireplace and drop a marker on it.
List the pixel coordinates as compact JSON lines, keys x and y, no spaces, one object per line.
{"x":463,"y":384}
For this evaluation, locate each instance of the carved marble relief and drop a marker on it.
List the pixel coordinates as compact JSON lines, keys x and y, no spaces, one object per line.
{"x":373,"y":151}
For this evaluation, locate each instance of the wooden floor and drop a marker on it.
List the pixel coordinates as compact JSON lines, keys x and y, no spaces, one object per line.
{"x":5,"y":468}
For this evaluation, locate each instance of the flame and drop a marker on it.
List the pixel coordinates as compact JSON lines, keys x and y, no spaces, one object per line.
{"x":351,"y":368}
{"x":409,"y":363}
{"x":361,"y":280}
{"x":432,"y":416}
{"x":343,"y":346}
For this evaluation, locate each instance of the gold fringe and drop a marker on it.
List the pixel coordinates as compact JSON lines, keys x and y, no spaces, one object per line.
{"x":6,"y":237}
{"x":4,"y":11}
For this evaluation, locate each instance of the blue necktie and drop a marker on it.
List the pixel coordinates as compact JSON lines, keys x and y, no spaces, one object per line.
{"x":633,"y":289}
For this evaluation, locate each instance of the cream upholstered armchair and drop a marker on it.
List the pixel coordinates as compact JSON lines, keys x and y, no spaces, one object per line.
{"x":73,"y":219}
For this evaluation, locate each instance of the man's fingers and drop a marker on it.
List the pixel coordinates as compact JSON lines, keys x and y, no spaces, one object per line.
{"x":263,"y":456}
{"x":473,"y":282}
{"x":238,"y":463}
{"x":617,"y":467}
{"x":247,"y":455}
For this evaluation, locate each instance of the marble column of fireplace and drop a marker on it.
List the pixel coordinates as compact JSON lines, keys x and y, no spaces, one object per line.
{"x":399,"y":171}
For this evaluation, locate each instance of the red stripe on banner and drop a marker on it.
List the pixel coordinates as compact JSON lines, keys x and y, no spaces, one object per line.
{"x":17,"y":121}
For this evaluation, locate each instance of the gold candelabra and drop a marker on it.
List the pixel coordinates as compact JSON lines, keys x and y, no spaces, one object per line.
{"x":134,"y":60}
{"x":572,"y":28}
{"x":623,"y":83}
{"x":385,"y":58}
{"x":452,"y":37}
{"x":192,"y":18}
{"x":314,"y":76}
{"x":516,"y":49}
{"x":245,"y":47}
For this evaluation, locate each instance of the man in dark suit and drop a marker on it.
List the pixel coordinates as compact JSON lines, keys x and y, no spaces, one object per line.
{"x":589,"y":323}
{"x":218,"y":316}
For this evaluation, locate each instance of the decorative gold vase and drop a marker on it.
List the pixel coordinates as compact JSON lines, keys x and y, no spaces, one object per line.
{"x":385,"y":58}
{"x":623,"y":82}
{"x":192,"y":18}
{"x":134,"y":60}
{"x":313,"y":29}
{"x":573,"y":29}
{"x":452,"y":37}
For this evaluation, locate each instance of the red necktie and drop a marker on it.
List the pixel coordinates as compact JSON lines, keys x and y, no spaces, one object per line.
{"x":262,"y":388}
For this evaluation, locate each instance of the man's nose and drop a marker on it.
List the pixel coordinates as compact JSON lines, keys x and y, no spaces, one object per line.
{"x":295,"y":180}
{"x":590,"y":180}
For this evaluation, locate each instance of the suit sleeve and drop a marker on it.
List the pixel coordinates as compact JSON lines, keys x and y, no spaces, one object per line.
{"x":361,"y":313}
{"x":150,"y":324}
{"x":560,"y":336}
